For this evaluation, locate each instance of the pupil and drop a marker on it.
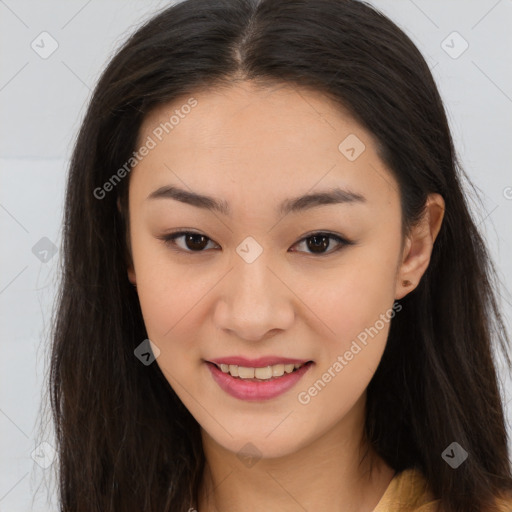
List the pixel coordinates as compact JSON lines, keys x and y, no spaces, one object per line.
{"x":316,"y":244}
{"x":194,"y":238}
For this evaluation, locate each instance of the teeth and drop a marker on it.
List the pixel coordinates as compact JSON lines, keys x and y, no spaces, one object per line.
{"x":265,"y":373}
{"x":277,"y":370}
{"x":244,"y":373}
{"x":288,"y":368}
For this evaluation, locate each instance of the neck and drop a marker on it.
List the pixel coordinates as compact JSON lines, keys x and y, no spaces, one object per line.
{"x":330,"y":474}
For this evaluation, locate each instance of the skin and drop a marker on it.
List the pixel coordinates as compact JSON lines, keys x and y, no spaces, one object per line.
{"x":254,"y":147}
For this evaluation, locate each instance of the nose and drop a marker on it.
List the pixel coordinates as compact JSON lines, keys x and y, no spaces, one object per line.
{"x":254,"y":301}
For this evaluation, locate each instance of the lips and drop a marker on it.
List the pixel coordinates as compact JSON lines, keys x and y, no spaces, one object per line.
{"x":254,"y":389}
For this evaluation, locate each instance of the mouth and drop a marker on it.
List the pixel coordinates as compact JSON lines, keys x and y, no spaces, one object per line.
{"x":257,"y":383}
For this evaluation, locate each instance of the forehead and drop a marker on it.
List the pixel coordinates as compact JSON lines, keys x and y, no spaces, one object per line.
{"x":269,"y":141}
{"x":278,"y":116}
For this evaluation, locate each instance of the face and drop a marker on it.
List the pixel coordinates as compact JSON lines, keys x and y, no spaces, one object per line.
{"x":264,"y":275}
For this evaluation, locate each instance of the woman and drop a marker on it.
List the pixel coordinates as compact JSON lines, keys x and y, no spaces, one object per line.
{"x":274,"y":295}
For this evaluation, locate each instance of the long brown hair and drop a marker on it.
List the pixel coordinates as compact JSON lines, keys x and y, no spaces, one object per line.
{"x":124,"y":439}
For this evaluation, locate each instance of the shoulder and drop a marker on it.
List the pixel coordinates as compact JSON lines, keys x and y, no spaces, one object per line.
{"x":504,"y":504}
{"x":409,"y":492}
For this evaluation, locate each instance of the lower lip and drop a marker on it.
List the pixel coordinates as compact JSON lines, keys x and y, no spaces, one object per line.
{"x":256,"y":390}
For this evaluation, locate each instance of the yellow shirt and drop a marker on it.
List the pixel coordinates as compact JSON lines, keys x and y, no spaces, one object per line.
{"x":409,"y":492}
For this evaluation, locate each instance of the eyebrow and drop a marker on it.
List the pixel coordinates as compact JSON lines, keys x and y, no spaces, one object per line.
{"x":294,"y":205}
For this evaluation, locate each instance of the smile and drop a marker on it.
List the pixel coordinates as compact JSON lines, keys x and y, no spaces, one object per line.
{"x":263,"y":373}
{"x":257,"y":383}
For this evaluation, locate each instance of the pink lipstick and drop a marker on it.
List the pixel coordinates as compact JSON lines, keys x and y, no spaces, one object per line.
{"x":253,"y":389}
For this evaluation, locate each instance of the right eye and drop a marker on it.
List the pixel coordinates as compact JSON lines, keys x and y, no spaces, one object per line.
{"x":192,"y":242}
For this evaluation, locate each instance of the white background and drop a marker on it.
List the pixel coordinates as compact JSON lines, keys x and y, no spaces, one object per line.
{"x":42,"y":102}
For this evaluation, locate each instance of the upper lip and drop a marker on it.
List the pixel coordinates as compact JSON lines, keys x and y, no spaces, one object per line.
{"x":257,"y":363}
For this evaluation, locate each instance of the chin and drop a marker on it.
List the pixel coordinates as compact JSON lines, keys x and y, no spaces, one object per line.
{"x":261,"y":445}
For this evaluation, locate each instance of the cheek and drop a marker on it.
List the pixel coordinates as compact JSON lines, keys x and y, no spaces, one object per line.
{"x":167,"y":291}
{"x":171,"y":307}
{"x":356,"y":306}
{"x":360,"y":319}
{"x":353,"y":296}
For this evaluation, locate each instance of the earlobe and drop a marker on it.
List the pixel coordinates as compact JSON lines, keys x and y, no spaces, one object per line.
{"x":419,"y":245}
{"x":404,"y":285}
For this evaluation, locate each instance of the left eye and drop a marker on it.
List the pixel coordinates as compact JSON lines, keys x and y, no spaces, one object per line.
{"x":196,"y":242}
{"x":317,"y":242}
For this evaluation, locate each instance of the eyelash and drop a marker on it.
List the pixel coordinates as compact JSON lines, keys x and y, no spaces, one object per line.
{"x":170,"y":238}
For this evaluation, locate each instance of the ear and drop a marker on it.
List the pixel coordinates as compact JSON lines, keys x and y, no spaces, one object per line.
{"x":128,"y":252}
{"x":418,"y":246}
